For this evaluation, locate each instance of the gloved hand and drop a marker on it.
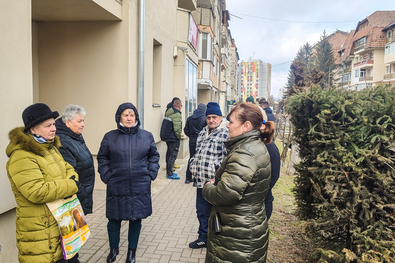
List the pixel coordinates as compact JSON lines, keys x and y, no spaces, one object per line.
{"x":80,"y":188}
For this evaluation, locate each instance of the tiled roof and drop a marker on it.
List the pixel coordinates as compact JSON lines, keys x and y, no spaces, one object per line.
{"x":381,"y":18}
{"x":364,"y":32}
{"x":348,"y":45}
{"x":376,"y":22}
{"x":377,"y":38}
{"x":336,"y":40}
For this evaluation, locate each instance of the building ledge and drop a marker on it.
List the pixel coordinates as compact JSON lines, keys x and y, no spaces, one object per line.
{"x":76,"y":10}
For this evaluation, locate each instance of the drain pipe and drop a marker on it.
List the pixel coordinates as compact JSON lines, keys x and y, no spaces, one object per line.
{"x":141,"y":61}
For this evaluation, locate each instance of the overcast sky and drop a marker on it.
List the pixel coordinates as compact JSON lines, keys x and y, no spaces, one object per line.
{"x":273,"y":31}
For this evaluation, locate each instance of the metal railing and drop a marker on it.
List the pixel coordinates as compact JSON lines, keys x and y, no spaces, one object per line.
{"x":389,"y":76}
{"x":366,"y":78}
{"x":345,"y":71}
{"x":364,"y":62}
{"x":358,"y":48}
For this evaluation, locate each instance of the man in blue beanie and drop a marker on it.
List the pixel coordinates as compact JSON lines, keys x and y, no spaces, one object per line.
{"x":210,"y":151}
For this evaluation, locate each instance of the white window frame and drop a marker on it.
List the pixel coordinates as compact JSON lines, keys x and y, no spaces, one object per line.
{"x":191,"y":87}
{"x":206,"y":47}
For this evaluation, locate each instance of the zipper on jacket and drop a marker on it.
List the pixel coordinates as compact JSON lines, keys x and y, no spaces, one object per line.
{"x":130,"y":164}
{"x":56,"y":162}
{"x":47,"y":223}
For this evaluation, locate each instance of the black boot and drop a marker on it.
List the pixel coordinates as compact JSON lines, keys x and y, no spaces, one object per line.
{"x":113,"y":255}
{"x":131,"y":258}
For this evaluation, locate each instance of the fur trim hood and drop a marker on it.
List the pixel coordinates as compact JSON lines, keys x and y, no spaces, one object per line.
{"x":22,"y":141}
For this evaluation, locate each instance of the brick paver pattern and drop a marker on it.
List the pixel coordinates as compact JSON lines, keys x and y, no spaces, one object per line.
{"x":165,"y":235}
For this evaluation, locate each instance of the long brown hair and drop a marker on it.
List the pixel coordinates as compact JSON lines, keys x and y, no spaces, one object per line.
{"x":251,"y":112}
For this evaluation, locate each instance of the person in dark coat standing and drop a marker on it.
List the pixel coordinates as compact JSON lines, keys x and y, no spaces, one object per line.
{"x":239,"y":190}
{"x":75,"y":152}
{"x":275,"y":174}
{"x":128,"y":162}
{"x":269,"y":112}
{"x":194,"y":125}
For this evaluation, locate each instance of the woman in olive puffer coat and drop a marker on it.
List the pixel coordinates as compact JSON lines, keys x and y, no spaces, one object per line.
{"x":38,"y":175}
{"x":239,"y":191}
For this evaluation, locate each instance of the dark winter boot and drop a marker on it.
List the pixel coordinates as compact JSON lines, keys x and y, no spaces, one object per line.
{"x":113,"y":255}
{"x":131,"y":258}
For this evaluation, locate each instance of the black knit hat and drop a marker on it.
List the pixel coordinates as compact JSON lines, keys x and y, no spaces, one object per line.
{"x":37,"y":113}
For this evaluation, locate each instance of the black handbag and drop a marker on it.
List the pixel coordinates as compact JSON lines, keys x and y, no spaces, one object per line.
{"x":217,"y":228}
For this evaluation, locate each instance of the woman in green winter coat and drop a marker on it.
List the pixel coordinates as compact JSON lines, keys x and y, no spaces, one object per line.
{"x":239,"y":190}
{"x":38,"y":175}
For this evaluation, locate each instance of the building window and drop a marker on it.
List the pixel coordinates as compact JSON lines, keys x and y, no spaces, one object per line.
{"x":206,"y":47}
{"x":360,"y":43}
{"x":390,"y":48}
{"x":156,"y":72}
{"x":190,"y":88}
{"x":388,"y":69}
{"x":356,"y":73}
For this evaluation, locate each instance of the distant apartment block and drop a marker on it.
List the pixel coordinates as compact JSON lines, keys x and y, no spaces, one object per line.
{"x":254,"y":79}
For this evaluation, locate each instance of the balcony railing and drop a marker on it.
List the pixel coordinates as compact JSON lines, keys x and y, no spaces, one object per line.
{"x":366,"y":78}
{"x":345,"y":71}
{"x":389,"y":76}
{"x":363,"y":62}
{"x":344,"y":83}
{"x":358,"y":48}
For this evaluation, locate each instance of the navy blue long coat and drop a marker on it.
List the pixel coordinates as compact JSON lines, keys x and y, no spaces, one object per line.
{"x":128,"y":162}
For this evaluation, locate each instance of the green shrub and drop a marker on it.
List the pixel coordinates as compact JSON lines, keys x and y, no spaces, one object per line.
{"x":345,"y":184}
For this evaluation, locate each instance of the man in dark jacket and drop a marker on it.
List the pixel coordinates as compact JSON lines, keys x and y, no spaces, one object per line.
{"x":268,"y":110}
{"x":194,"y":125}
{"x":171,"y":133}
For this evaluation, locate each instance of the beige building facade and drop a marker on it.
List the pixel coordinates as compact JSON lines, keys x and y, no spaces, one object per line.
{"x":87,"y":52}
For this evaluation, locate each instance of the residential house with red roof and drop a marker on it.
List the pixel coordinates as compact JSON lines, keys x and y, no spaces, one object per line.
{"x":368,"y":44}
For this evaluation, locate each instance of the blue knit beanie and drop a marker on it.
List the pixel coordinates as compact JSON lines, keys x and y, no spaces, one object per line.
{"x":213,"y":108}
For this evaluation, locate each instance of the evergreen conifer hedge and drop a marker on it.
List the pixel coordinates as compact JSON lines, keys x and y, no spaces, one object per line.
{"x":344,"y":184}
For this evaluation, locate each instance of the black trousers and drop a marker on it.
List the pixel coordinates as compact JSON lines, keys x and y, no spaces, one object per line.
{"x":192,"y":151}
{"x":114,"y":232}
{"x":171,"y":155}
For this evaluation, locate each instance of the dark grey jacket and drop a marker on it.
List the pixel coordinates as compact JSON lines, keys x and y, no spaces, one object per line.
{"x":76,"y":153}
{"x":238,"y":195}
{"x":194,"y":125}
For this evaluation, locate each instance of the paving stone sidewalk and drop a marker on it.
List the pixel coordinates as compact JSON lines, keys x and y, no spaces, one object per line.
{"x":165,"y":235}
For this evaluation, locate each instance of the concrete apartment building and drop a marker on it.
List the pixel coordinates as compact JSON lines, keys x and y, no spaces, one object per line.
{"x":255,"y":79}
{"x":99,"y":54}
{"x":368,"y":54}
{"x":234,"y":58}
